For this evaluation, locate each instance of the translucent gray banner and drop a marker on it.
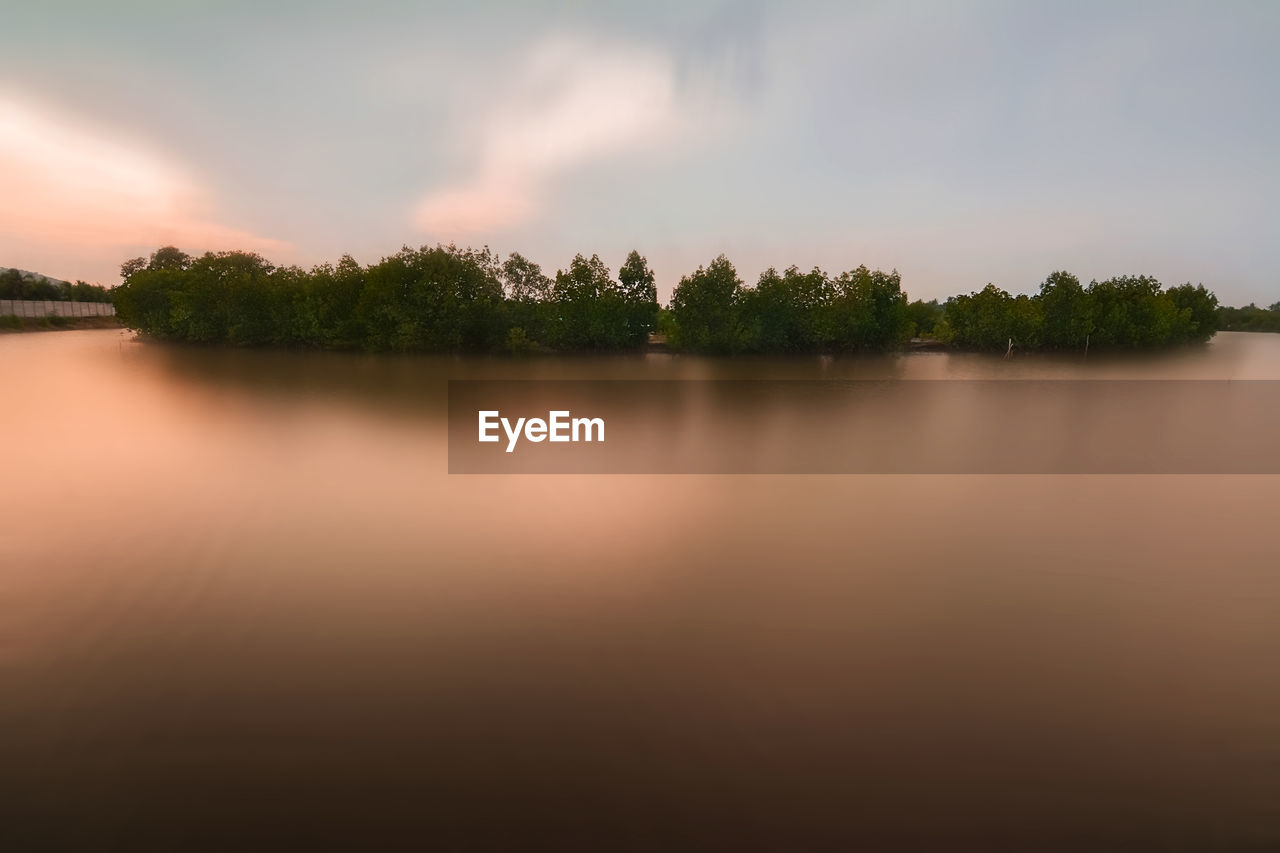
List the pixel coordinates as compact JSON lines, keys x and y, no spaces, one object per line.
{"x":864,"y":427}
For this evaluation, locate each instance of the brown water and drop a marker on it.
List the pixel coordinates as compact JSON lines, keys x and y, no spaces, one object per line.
{"x":243,"y":605}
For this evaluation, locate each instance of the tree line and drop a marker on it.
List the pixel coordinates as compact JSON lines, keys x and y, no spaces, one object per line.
{"x":14,"y":285}
{"x":432,"y":299}
{"x":713,"y":310}
{"x":446,"y":299}
{"x":1250,"y":318}
{"x":1126,"y":312}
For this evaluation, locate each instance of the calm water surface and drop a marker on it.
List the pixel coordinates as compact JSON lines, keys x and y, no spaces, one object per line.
{"x":242,"y":605}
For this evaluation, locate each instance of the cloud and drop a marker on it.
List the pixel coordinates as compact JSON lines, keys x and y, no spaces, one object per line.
{"x":575,"y":101}
{"x":73,"y":187}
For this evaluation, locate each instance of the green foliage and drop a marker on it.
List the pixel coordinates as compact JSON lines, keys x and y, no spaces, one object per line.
{"x":1127,"y":312}
{"x":432,"y":299}
{"x":10,"y":321}
{"x":943,"y":332}
{"x":925,"y":317}
{"x":703,"y":309}
{"x":590,"y":310}
{"x":988,"y":319}
{"x":1250,"y":318}
{"x":1131,"y":312}
{"x":440,"y":299}
{"x":446,"y":299}
{"x":518,"y":342}
{"x":169,"y":258}
{"x":789,"y":312}
{"x":528,"y":299}
{"x":640,"y":297}
{"x":1203,"y":308}
{"x":15,"y":285}
{"x":131,"y":266}
{"x":665,"y":324}
{"x":872,"y":311}
{"x":524,"y":280}
{"x":11,"y":283}
{"x":1068,"y":312}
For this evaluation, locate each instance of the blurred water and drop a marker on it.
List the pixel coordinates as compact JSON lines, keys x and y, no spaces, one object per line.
{"x":242,"y":604}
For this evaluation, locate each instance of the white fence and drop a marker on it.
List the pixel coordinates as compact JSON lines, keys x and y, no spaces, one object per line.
{"x":50,"y":308}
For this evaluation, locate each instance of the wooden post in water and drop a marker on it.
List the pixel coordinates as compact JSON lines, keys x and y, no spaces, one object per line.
{"x":1009,"y":351}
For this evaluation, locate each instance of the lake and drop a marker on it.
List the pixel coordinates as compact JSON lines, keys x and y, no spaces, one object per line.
{"x":242,"y":602}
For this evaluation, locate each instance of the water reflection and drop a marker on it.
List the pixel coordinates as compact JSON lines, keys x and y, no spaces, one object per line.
{"x":242,"y":598}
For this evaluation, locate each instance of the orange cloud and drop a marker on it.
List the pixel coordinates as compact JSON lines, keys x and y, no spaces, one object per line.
{"x":77,"y":189}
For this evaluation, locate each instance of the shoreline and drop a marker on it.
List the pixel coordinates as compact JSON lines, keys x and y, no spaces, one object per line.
{"x":14,"y":324}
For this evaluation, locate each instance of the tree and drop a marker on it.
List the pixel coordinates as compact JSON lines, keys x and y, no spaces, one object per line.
{"x":1068,"y":311}
{"x":702,"y":308}
{"x":640,"y":296}
{"x":524,"y":279}
{"x":925,"y":316}
{"x":223,"y":297}
{"x":1131,"y":311}
{"x":637,"y":280}
{"x":145,"y":302}
{"x":1026,"y":322}
{"x":446,"y":299}
{"x":766,"y":315}
{"x":11,"y":284}
{"x":333,"y":299}
{"x":590,"y":310}
{"x":131,"y":266}
{"x":872,"y":310}
{"x":439,"y":299}
{"x":528,"y":308}
{"x":982,"y":320}
{"x":1249,"y":318}
{"x":82,"y":291}
{"x":172,"y":258}
{"x":1198,"y":309}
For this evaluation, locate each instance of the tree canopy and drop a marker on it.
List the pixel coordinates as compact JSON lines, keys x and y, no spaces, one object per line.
{"x":446,"y":299}
{"x":430,"y":299}
{"x":1250,"y":318}
{"x":14,"y":284}
{"x":1126,"y":312}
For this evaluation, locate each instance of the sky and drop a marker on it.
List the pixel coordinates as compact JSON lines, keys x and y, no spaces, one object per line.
{"x":958,"y":142}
